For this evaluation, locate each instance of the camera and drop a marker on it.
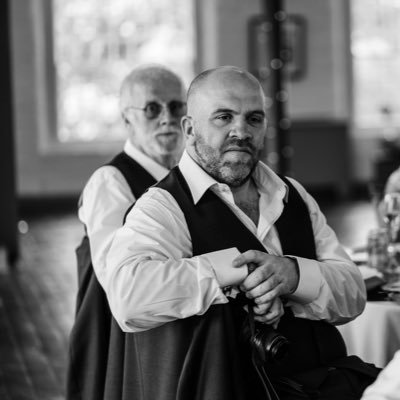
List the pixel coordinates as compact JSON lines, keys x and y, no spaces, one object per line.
{"x":271,"y":346}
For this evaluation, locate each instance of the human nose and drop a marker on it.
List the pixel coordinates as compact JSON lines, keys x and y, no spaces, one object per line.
{"x":240,"y":130}
{"x":166,"y":117}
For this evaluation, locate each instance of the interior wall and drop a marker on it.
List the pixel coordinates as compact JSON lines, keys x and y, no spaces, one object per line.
{"x":323,"y":92}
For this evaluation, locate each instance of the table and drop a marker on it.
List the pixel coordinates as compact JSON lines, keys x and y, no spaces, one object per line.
{"x":375,"y":335}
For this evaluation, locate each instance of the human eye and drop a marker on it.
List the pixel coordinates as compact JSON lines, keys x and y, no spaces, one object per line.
{"x":223,"y":118}
{"x":153,"y":107}
{"x":256,"y":119}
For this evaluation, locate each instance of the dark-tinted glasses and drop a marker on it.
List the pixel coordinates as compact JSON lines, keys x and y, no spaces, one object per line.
{"x":153,"y":109}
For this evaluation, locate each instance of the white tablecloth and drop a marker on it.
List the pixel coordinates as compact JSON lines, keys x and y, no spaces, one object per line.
{"x":375,"y":335}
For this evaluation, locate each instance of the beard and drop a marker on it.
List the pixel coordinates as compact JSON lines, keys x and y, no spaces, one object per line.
{"x":234,"y":172}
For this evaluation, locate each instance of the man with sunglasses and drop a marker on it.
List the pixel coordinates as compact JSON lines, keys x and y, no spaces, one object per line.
{"x":152,"y":103}
{"x":222,"y":250}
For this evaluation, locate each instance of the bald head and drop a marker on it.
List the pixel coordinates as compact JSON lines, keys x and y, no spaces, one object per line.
{"x":219,"y":78}
{"x":152,"y":76}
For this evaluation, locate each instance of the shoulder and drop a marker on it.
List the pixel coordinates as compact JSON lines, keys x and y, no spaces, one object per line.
{"x":299,"y":187}
{"x":309,"y":200}
{"x":106,"y":182}
{"x":105,"y":177}
{"x":158,"y":204}
{"x":393,"y":182}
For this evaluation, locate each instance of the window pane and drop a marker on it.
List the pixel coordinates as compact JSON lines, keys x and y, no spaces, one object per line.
{"x":97,"y":42}
{"x":376,"y":63}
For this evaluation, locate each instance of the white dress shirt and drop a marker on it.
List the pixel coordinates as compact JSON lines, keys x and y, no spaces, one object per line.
{"x":152,"y":277}
{"x":105,"y":200}
{"x":387,"y":385}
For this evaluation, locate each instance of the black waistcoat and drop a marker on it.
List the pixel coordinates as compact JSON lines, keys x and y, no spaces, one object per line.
{"x":93,"y":327}
{"x":204,"y":357}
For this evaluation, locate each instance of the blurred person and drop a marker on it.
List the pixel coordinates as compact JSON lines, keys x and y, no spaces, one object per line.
{"x":392,"y":184}
{"x":152,"y":102}
{"x":387,"y":385}
{"x":222,"y":234}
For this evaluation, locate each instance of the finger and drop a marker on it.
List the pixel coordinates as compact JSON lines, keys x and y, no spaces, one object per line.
{"x":273,"y":315}
{"x":268,"y":296}
{"x":249,"y":256}
{"x":266,"y":319}
{"x":257,"y":277}
{"x":274,"y":308}
{"x":262,"y":309}
{"x":270,"y":318}
{"x":259,"y":284}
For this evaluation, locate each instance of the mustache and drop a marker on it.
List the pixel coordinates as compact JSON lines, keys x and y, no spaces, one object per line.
{"x":245,"y":144}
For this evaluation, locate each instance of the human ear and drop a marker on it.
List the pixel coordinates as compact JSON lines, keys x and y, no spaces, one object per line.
{"x":125,"y":119}
{"x":187,"y":126}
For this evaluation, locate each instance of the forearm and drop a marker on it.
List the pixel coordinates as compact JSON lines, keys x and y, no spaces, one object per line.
{"x":145,"y":293}
{"x":331,"y":290}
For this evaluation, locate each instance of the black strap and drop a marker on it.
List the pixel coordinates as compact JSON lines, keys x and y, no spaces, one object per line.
{"x":255,"y":359}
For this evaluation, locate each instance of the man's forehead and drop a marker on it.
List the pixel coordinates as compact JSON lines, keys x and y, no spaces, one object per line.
{"x":227,"y":84}
{"x":215,"y":97}
{"x":157,"y":89}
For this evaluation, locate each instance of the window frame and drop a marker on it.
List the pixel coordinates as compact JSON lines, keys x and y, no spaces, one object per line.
{"x":46,"y":76}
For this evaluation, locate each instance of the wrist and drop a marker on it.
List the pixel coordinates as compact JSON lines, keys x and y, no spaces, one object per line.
{"x":295,"y":274}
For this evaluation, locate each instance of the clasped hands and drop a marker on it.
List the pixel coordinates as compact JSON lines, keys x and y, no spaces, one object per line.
{"x":273,"y":277}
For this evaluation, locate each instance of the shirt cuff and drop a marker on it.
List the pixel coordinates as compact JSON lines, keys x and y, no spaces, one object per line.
{"x":221,"y":263}
{"x":310,"y":281}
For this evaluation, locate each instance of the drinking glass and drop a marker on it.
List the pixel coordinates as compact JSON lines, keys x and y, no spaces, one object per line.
{"x":391,"y":214}
{"x":391,"y":217}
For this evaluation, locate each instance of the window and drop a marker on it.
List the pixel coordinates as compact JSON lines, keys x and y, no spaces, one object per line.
{"x":96,"y":43}
{"x":375,"y":46}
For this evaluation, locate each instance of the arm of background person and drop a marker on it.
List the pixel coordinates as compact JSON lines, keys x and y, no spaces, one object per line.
{"x":387,"y":385}
{"x":152,"y":277}
{"x":105,"y":200}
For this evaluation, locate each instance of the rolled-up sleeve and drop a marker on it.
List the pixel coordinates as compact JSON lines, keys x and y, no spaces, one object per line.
{"x":331,"y":287}
{"x":152,"y":277}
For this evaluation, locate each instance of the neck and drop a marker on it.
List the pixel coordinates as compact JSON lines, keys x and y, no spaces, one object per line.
{"x":168,"y":161}
{"x":246,"y":198}
{"x":242,"y":192}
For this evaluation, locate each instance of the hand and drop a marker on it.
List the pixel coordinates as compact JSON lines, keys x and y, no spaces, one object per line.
{"x":274,"y":276}
{"x":269,"y":313}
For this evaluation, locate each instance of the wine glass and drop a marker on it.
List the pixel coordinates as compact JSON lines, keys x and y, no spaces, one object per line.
{"x":391,"y":214}
{"x":391,"y":217}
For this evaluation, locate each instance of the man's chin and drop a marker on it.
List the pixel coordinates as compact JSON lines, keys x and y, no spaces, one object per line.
{"x":169,"y":143}
{"x":236,"y":174}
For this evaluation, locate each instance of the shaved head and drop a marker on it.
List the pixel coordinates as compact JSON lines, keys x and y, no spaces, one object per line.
{"x":218,"y":76}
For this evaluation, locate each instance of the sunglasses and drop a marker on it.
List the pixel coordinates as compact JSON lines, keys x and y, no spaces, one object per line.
{"x":152,"y":110}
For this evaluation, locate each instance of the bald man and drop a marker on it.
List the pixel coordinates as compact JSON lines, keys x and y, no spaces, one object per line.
{"x":221,"y":252}
{"x":152,"y":102}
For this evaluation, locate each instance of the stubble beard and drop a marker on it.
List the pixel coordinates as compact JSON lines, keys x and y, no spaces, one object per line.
{"x":232,"y":173}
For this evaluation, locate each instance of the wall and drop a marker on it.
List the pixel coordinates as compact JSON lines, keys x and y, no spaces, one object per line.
{"x":41,"y":171}
{"x":323,"y":93}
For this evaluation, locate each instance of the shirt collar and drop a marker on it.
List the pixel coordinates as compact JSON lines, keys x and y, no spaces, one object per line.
{"x":199,"y":181}
{"x":157,"y":170}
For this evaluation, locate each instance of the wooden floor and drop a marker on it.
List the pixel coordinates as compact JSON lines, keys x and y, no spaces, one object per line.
{"x":37,"y":299}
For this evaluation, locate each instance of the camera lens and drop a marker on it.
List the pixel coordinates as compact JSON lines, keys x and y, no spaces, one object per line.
{"x":270,"y":344}
{"x":278,"y":348}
